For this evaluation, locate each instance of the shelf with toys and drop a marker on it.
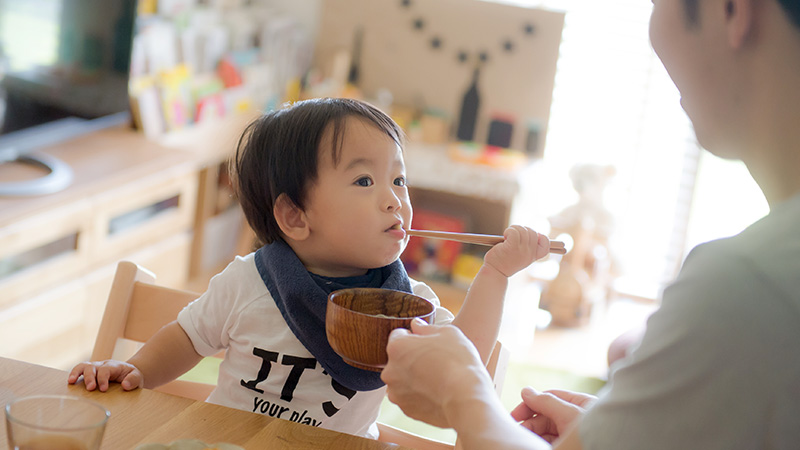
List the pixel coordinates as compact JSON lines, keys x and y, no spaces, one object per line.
{"x":475,"y":107}
{"x":200,"y":72}
{"x":454,"y":195}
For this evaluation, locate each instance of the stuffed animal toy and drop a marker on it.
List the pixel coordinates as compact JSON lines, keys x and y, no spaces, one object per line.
{"x":585,"y":272}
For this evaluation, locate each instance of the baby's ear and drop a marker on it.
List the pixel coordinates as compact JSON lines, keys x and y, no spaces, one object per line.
{"x":291,"y":219}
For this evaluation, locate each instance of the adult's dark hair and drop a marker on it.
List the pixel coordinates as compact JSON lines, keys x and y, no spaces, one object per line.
{"x":790,"y":7}
{"x":278,"y":154}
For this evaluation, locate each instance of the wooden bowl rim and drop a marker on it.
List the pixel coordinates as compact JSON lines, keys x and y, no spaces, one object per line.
{"x":331,"y":295}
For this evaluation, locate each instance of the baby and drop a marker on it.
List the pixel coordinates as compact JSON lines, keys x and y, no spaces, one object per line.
{"x":322,"y":183}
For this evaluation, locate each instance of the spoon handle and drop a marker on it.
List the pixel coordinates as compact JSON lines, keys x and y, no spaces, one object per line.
{"x":480,"y":239}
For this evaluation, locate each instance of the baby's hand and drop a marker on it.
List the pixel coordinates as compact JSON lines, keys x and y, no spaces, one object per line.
{"x":522,"y":246}
{"x":97,"y":374}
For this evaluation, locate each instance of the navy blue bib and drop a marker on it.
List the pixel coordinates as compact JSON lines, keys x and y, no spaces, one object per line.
{"x":302,"y":298}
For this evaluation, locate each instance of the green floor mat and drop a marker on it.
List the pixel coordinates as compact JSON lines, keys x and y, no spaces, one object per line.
{"x":204,"y":372}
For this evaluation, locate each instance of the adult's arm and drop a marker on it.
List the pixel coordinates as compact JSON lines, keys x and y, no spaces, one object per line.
{"x":435,"y":374}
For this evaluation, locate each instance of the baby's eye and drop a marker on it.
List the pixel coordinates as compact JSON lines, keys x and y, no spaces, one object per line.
{"x":364,"y":181}
{"x":400,"y":181}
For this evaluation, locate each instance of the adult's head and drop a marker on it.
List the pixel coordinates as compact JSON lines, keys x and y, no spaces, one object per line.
{"x":736,"y":64}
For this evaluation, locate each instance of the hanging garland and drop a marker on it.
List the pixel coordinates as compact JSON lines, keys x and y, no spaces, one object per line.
{"x":463,"y":56}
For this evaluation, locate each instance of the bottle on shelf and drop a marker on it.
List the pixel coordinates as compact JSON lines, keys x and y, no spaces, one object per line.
{"x":469,"y":110}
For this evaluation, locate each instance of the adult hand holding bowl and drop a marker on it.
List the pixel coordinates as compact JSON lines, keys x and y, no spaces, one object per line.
{"x":358,"y":322}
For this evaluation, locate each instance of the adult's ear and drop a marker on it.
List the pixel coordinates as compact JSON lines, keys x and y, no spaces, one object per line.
{"x":739,"y":16}
{"x":291,"y":219}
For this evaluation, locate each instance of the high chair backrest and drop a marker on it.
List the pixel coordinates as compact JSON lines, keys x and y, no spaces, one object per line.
{"x":137,"y":308}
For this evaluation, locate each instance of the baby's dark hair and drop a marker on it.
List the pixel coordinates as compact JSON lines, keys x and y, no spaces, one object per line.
{"x":278,"y":154}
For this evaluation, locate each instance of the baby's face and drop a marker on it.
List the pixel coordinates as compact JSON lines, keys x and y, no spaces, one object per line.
{"x":358,"y":209}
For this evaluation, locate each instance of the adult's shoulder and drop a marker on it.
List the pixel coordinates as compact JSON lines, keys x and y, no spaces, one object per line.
{"x":763,"y":257}
{"x":742,"y":289}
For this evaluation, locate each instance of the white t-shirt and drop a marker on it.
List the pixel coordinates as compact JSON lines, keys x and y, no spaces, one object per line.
{"x":266,"y":369}
{"x":719,"y":364}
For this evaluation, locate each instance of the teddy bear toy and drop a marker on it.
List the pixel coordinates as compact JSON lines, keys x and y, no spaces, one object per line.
{"x":585,"y":272}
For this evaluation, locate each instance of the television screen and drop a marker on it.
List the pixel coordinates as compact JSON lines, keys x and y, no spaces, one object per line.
{"x":63,"y":63}
{"x":64,"y":58}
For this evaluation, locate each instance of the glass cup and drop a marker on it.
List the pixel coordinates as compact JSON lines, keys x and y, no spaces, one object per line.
{"x":55,"y":422}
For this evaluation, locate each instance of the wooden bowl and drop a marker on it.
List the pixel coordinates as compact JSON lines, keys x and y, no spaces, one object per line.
{"x":358,"y":322}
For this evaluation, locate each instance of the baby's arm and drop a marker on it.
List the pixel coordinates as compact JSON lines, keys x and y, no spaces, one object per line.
{"x":480,"y":315}
{"x":166,"y":356}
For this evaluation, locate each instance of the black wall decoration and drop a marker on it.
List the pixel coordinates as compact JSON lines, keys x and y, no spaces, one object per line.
{"x":425,"y":53}
{"x":507,"y":45}
{"x":470,"y":103}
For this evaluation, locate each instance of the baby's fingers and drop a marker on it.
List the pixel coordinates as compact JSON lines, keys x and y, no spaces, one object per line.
{"x":543,"y":246}
{"x":89,"y":373}
{"x":75,"y":373}
{"x":132,"y":381}
{"x":104,"y":374}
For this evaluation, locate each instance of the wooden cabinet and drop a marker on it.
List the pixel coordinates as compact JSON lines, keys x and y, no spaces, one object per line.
{"x":131,"y":199}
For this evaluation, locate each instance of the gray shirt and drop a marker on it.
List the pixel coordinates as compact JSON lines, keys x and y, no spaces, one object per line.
{"x":719,"y":364}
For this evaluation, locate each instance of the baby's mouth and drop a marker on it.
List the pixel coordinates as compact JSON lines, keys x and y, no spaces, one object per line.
{"x":396,"y":226}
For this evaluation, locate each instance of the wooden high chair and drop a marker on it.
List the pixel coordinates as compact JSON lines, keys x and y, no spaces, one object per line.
{"x":137,"y":308}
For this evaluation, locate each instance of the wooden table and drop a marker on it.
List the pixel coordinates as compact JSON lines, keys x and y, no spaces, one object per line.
{"x":143,"y":416}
